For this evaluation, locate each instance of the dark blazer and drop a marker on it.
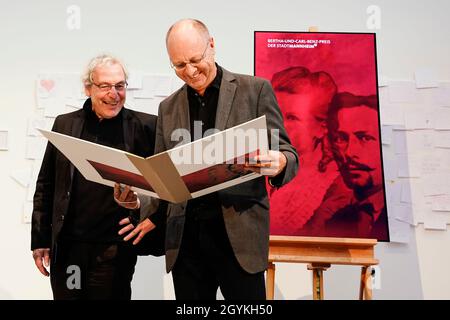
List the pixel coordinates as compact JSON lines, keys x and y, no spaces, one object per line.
{"x":245,"y":207}
{"x":341,"y":215}
{"x":54,"y":182}
{"x":347,"y":223}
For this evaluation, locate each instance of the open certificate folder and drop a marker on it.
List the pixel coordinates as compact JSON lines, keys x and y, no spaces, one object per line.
{"x":187,"y":171}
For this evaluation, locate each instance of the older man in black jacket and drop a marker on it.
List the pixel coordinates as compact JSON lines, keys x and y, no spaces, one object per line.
{"x":75,"y":222}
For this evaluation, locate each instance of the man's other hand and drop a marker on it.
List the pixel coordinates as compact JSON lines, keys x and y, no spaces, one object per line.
{"x":140,"y":230}
{"x":42,"y":260}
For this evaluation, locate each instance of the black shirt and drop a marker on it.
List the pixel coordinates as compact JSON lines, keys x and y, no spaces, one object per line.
{"x":204,"y":109}
{"x":93,"y":215}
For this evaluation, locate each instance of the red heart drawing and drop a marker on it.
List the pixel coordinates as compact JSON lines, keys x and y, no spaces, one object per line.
{"x":48,"y":84}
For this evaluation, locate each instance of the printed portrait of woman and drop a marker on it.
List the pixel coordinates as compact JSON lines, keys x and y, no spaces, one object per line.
{"x":304,"y":98}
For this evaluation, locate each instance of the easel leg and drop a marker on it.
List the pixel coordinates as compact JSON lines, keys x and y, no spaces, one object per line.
{"x":365,"y":288}
{"x":318,"y":284}
{"x":270,"y":281}
{"x":318,"y":270}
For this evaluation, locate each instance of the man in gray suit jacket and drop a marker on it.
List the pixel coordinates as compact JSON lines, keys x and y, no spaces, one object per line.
{"x":221,"y":239}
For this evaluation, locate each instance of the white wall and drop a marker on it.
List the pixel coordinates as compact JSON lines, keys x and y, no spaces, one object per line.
{"x":34,"y":39}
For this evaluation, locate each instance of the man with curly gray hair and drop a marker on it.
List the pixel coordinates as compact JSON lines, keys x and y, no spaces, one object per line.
{"x":75,"y":222}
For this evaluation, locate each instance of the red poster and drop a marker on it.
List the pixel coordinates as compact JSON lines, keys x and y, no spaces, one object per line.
{"x":326,"y":86}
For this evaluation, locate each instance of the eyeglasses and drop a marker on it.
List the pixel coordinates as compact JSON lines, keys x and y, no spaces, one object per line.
{"x":193,"y":62}
{"x":104,"y":87}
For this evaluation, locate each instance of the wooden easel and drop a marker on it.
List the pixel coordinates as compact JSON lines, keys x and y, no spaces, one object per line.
{"x":320,"y":254}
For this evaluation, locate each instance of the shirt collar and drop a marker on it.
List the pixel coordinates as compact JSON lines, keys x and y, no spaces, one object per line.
{"x":377,"y":201}
{"x":90,"y":113}
{"x":215,"y":83}
{"x":218,"y":79}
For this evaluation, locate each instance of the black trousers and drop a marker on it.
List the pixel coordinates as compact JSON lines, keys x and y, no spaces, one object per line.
{"x":92,"y":271}
{"x":206,"y":262}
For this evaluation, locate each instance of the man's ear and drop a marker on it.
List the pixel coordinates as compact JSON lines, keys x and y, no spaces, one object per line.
{"x":213,"y":45}
{"x":87,"y":90}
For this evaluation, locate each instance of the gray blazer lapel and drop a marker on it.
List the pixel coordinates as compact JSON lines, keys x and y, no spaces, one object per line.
{"x":226,"y":97}
{"x":182,"y":114}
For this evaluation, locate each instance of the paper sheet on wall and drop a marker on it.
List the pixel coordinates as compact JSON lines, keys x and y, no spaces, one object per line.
{"x":406,"y":192}
{"x":412,"y":191}
{"x":49,"y":85}
{"x":400,"y":142}
{"x":431,"y":164}
{"x":442,"y":139}
{"x":383,"y":96}
{"x":135,"y":79}
{"x":35,"y":122}
{"x":383,"y":81}
{"x":146,"y":91}
{"x":413,"y":142}
{"x":442,"y":95}
{"x":34,"y":174}
{"x":425,"y":78}
{"x":386,"y":134}
{"x":402,"y":91}
{"x":435,"y":220}
{"x":35,"y":147}
{"x":442,"y":119}
{"x":409,"y":165}
{"x":436,"y":184}
{"x":422,"y":141}
{"x":399,"y":231}
{"x":27,"y":211}
{"x":392,"y":114}
{"x":73,"y":86}
{"x":393,"y":193}
{"x":441,"y":203}
{"x":426,"y":99}
{"x":420,"y":208}
{"x":163,"y":85}
{"x":4,"y":139}
{"x":390,"y":164}
{"x":58,"y":86}
{"x":76,"y":103}
{"x":154,"y":85}
{"x":403,"y":213}
{"x":146,"y":105}
{"x":21,"y":176}
{"x":30,"y":191}
{"x":53,"y":106}
{"x":418,"y":118}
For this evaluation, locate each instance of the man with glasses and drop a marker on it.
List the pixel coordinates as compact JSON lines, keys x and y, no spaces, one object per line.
{"x":354,"y":205}
{"x":220,"y":240}
{"x":75,"y":222}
